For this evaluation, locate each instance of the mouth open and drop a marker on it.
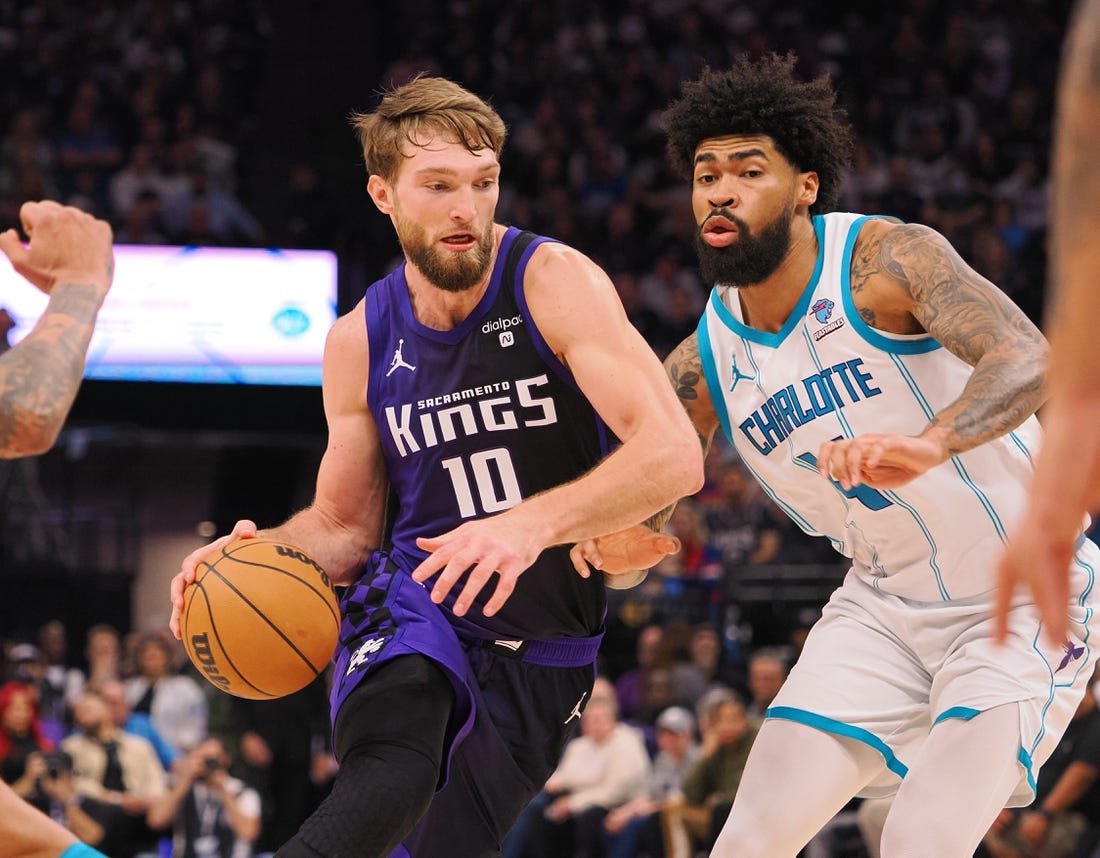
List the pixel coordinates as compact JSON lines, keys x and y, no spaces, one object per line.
{"x":719,"y":231}
{"x":460,"y":241}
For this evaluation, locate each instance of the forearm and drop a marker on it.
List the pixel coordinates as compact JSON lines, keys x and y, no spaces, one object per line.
{"x":40,"y":376}
{"x":1001,"y":394}
{"x":244,"y":826}
{"x":634,"y":483}
{"x":81,"y":824}
{"x":164,"y":809}
{"x":340,"y":549}
{"x":1077,"y":779}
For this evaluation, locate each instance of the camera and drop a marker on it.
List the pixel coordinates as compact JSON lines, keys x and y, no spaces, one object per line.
{"x":57,"y":764}
{"x":211,"y":765}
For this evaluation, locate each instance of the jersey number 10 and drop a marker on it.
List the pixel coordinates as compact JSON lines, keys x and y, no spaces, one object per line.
{"x":494,"y":477}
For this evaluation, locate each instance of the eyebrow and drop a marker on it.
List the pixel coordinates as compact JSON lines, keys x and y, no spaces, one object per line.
{"x":741,"y":155}
{"x":448,"y":171}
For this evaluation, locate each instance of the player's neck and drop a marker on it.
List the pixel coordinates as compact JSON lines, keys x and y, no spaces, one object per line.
{"x":442,"y":310}
{"x":768,"y":304}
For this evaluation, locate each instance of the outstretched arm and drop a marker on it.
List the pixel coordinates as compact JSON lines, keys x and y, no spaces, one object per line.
{"x":1067,"y":477}
{"x":907,"y":278}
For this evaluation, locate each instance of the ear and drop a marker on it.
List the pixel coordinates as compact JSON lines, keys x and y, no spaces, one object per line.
{"x":808,"y":183}
{"x":381,"y":193}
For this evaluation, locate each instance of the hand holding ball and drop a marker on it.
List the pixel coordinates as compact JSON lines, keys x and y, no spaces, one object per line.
{"x":261,"y":620}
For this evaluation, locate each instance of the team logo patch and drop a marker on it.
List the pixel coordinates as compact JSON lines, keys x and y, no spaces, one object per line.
{"x":362,"y":656}
{"x":399,"y":361}
{"x":1072,"y":653}
{"x":822,"y":310}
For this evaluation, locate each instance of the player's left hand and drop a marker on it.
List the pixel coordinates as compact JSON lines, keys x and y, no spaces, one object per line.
{"x":487,"y":546}
{"x":626,"y":551}
{"x":878,"y":461}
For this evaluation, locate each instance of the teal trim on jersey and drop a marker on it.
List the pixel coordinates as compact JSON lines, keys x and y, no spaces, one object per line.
{"x":839,"y":728}
{"x":956,"y":462}
{"x":908,"y":346}
{"x":81,"y":850}
{"x":763,"y":337}
{"x":710,"y":373}
{"x":1023,"y":447}
{"x":1025,"y":760}
{"x":963,"y":713}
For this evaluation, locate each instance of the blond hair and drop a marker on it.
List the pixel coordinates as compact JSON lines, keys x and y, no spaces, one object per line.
{"x":423,"y":106}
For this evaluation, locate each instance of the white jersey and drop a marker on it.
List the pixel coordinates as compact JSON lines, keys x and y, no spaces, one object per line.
{"x":828,"y":375}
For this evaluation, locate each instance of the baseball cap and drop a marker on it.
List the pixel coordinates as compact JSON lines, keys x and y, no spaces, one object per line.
{"x":676,"y":719}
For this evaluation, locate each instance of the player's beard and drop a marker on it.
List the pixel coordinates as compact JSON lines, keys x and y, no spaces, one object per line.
{"x":750,"y":259}
{"x":454,"y":271}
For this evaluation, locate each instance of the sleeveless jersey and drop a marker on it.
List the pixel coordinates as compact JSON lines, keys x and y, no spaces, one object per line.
{"x":473,"y":420}
{"x":828,"y":375}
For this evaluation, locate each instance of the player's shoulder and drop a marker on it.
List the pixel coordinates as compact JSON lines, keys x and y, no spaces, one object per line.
{"x":347,"y":338}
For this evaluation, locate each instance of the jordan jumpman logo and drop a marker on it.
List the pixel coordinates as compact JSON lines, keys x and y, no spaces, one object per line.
{"x":399,"y":361}
{"x":737,"y":374}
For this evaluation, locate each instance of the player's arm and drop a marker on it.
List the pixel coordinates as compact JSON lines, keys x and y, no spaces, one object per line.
{"x":343,"y":524}
{"x":70,"y":259}
{"x":578,"y":312}
{"x":978,"y":323}
{"x":619,"y":554}
{"x":907,"y":278}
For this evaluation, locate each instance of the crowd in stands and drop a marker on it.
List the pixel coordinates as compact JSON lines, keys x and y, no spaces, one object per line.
{"x":139,"y":112}
{"x":138,"y":756}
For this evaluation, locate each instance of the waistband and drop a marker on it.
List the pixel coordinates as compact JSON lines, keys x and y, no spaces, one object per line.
{"x":556,"y":652}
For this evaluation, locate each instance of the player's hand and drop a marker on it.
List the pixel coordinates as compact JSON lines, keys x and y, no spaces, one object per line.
{"x":65,"y":245}
{"x":1040,"y":551}
{"x":626,"y":551}
{"x":878,"y":461}
{"x":487,"y":546}
{"x":243,"y":529}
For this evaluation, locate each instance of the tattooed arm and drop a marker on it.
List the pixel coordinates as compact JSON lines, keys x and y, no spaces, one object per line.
{"x":1067,"y":476}
{"x":70,"y":259}
{"x":912,"y":271}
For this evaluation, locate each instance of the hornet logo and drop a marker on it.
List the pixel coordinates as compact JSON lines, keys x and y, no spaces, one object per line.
{"x":1072,"y":654}
{"x":822,"y":310}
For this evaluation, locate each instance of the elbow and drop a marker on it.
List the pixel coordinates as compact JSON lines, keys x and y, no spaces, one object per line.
{"x":689,"y":466}
{"x":28,"y":432}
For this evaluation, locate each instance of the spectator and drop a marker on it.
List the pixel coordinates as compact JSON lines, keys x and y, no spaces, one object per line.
{"x":175,"y":703}
{"x":212,"y":814}
{"x":23,"y":743}
{"x":120,"y":772}
{"x":634,"y":828}
{"x":709,"y":787}
{"x":139,"y":724}
{"x":768,"y":670}
{"x":630,"y":687}
{"x":600,"y":770}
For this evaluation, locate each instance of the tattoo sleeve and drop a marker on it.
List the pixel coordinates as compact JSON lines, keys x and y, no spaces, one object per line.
{"x":979,"y":324}
{"x":685,"y":370}
{"x":39,"y":377}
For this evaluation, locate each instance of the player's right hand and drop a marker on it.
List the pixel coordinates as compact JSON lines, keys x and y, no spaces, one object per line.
{"x":243,"y":529}
{"x":65,"y":245}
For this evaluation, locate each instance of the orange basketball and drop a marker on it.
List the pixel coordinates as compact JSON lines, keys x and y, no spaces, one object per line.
{"x":261,"y":620}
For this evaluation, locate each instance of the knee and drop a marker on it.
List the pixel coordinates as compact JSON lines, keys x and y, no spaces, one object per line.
{"x":741,"y":838}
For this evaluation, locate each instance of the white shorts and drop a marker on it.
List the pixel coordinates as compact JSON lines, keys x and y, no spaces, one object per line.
{"x":885,"y":670}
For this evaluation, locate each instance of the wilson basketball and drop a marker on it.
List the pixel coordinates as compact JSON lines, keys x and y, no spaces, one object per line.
{"x":261,"y":620}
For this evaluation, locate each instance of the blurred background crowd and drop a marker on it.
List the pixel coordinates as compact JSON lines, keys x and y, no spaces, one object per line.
{"x":223,"y":122}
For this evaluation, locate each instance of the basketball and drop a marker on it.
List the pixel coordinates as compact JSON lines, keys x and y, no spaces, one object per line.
{"x":261,"y":620}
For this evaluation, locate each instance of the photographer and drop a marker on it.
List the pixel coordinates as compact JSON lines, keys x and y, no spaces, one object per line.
{"x":82,"y":816}
{"x":213,"y":815}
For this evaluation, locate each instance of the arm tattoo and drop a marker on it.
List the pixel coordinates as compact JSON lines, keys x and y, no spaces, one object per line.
{"x":979,"y":324}
{"x":685,"y":370}
{"x":40,"y":376}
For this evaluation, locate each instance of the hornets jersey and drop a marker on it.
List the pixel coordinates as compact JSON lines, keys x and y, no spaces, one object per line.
{"x":473,"y":420}
{"x":828,"y":375}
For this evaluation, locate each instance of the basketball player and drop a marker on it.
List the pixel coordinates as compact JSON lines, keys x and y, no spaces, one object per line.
{"x":484,"y":383}
{"x":1067,"y":477}
{"x":882,"y":392}
{"x":69,"y":257}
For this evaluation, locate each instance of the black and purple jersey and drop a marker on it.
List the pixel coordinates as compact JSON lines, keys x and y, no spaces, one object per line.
{"x":472,"y":421}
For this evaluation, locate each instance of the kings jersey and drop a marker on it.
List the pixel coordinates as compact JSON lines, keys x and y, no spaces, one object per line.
{"x":473,"y":420}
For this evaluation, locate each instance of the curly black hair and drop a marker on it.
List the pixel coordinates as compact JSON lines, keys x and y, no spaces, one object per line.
{"x":763,"y":96}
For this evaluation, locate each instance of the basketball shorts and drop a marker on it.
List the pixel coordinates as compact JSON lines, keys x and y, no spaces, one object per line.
{"x":886,"y":670}
{"x":516,"y":705}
